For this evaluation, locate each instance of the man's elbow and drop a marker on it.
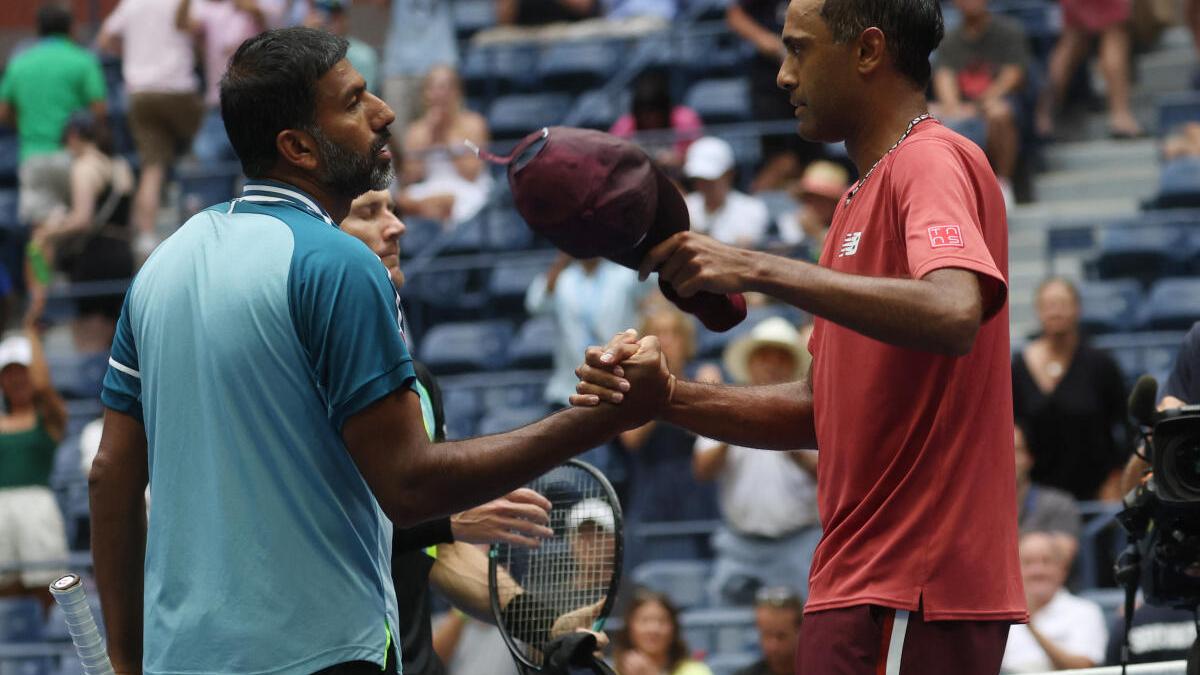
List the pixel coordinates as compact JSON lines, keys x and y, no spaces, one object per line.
{"x":962,"y":325}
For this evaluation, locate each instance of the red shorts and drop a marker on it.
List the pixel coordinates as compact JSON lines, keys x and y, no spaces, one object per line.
{"x":872,"y":640}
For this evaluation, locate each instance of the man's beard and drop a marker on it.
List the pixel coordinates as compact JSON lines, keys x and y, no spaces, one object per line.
{"x":349,"y":174}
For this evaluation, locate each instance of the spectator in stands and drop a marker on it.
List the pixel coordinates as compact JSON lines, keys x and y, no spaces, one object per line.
{"x":331,"y":15}
{"x":443,"y":180}
{"x":817,"y":192}
{"x":41,"y":88}
{"x":1157,"y":634}
{"x":661,"y":487}
{"x":158,"y":65}
{"x":653,"y":110}
{"x":1183,"y":142}
{"x":978,"y":76}
{"x":1042,"y":508}
{"x":541,"y":12}
{"x":1072,"y":398}
{"x":760,"y":23}
{"x":220,"y":26}
{"x":768,"y":499}
{"x":588,"y":299}
{"x":6,"y":295}
{"x":468,"y":646}
{"x":1064,"y":631}
{"x":715,"y":207}
{"x":778,"y":613}
{"x":33,"y":423}
{"x":420,"y":36}
{"x":90,"y":241}
{"x":651,"y":642}
{"x":1083,"y":20}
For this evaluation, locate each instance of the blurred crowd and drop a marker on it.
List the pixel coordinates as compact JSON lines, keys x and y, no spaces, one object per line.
{"x":93,"y":214}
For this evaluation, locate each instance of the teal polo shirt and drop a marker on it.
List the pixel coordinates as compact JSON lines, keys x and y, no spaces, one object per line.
{"x":245,"y":342}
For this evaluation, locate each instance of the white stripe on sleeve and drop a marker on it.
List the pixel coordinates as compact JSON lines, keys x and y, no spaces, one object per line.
{"x":123,"y":368}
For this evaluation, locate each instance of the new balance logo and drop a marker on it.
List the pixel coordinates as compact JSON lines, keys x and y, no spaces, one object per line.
{"x":850,"y":244}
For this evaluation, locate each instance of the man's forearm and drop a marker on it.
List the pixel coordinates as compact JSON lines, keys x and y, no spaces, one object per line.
{"x":1007,"y":81}
{"x":777,"y":417}
{"x":910,"y":313}
{"x":118,"y":511}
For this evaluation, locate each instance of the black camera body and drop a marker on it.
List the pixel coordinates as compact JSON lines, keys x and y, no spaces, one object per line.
{"x":1162,"y":514}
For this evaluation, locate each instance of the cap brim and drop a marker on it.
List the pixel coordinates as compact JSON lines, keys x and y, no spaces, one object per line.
{"x":670,"y":217}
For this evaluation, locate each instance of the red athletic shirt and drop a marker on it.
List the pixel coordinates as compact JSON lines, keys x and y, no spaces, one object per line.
{"x":917,"y":484}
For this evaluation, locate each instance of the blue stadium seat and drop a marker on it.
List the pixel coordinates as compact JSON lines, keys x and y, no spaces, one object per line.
{"x":719,"y":630}
{"x":8,"y":210}
{"x":577,"y":65}
{"x":203,"y":185}
{"x":598,"y":110}
{"x":534,"y":345}
{"x":20,"y":620}
{"x":1110,"y":306}
{"x":466,"y":346}
{"x":499,"y":68}
{"x":684,"y":581}
{"x":1174,"y":304}
{"x":472,"y":16}
{"x":511,"y":279}
{"x":67,"y":463}
{"x":9,"y":158}
{"x":444,"y":292}
{"x":1176,"y":109}
{"x":467,"y":237}
{"x":462,"y":409}
{"x":1142,"y":253}
{"x":507,"y":419}
{"x":516,"y":115}
{"x":418,"y":233}
{"x":78,"y":375}
{"x":723,"y":100}
{"x":524,"y":394}
{"x":1179,"y":184}
{"x":730,"y":663}
{"x":507,"y":231}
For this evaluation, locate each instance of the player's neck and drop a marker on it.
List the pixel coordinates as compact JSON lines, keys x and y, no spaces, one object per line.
{"x":878,"y":134}
{"x":337,"y":207}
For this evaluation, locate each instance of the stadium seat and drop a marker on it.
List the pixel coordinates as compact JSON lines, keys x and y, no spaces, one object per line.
{"x":466,"y":237}
{"x":719,"y":630}
{"x":507,"y":419}
{"x":466,"y":346}
{"x":418,"y":234}
{"x":1110,"y":306}
{"x":507,"y":231}
{"x":683,"y":581}
{"x":516,"y":115}
{"x":527,"y":393}
{"x":1176,"y":109}
{"x":730,"y":663}
{"x":1174,"y":304}
{"x":472,"y":16}
{"x":497,"y":69}
{"x":577,"y":65}
{"x":203,"y":185}
{"x":511,"y":279}
{"x":20,"y":620}
{"x":534,"y":344}
{"x":8,"y":210}
{"x":596,"y":109}
{"x":78,"y":375}
{"x":1142,"y":253}
{"x":723,"y":100}
{"x":9,"y":159}
{"x":1179,"y":184}
{"x":462,"y":409}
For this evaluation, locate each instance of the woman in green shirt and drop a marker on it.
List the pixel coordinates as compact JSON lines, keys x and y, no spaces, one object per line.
{"x":651,"y":642}
{"x":32,"y":424}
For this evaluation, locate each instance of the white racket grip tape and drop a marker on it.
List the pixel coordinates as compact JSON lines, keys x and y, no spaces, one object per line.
{"x":89,"y":644}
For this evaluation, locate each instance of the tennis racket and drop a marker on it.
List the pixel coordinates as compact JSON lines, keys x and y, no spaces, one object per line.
{"x":571,"y":580}
{"x":89,"y":644}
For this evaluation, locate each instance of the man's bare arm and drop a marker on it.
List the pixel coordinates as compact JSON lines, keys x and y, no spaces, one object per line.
{"x":461,"y":574}
{"x":116,"y":488}
{"x":6,"y":114}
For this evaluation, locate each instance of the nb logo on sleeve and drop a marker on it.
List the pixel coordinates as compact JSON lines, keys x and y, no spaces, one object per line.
{"x":850,"y":244}
{"x":945,"y":236}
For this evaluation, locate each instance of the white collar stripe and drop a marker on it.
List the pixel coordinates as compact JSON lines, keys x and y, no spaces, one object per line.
{"x":251,"y":188}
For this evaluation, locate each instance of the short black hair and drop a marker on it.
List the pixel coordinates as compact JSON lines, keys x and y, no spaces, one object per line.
{"x":53,"y":19}
{"x":913,"y":29}
{"x":270,"y":86}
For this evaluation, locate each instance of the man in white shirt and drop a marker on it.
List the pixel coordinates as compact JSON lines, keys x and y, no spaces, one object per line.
{"x":715,"y":207}
{"x":1064,"y":632}
{"x":768,"y":499}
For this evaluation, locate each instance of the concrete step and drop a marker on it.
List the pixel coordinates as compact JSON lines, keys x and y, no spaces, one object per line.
{"x":1165,"y":71}
{"x":1102,"y":153}
{"x":1039,"y":215}
{"x":1133,"y":182}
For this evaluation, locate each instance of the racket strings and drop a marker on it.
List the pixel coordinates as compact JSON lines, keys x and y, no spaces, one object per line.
{"x":567,"y":578}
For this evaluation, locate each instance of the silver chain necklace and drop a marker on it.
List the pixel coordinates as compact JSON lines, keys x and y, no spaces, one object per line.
{"x":862,"y":181}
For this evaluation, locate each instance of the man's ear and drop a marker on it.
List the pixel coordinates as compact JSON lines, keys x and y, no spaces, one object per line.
{"x":298,"y":148}
{"x":872,"y":50}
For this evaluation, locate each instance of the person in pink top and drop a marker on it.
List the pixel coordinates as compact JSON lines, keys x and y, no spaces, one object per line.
{"x":159,"y":67}
{"x":221,"y":26}
{"x":653,"y":111}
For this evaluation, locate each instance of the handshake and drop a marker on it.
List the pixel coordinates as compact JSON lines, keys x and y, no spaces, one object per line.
{"x":629,"y":372}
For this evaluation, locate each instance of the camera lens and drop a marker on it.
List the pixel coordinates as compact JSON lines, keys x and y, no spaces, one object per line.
{"x":1183,"y":465}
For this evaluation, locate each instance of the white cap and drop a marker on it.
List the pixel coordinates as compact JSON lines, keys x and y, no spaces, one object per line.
{"x":708,"y":158}
{"x":773,"y":332}
{"x":595,"y":510}
{"x":16,"y":349}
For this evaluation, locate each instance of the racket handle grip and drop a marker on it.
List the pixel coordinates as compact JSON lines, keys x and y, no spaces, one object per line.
{"x":89,"y":644}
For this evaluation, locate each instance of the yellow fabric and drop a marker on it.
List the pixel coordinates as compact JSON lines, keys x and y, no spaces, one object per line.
{"x":692,"y":668}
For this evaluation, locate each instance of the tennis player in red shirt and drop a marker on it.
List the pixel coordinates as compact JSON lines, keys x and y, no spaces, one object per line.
{"x":909,"y":398}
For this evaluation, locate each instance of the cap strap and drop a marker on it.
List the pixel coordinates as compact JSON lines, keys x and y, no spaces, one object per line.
{"x":507,"y":159}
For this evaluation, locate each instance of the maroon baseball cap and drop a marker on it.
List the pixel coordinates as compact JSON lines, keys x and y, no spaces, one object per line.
{"x":595,"y":195}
